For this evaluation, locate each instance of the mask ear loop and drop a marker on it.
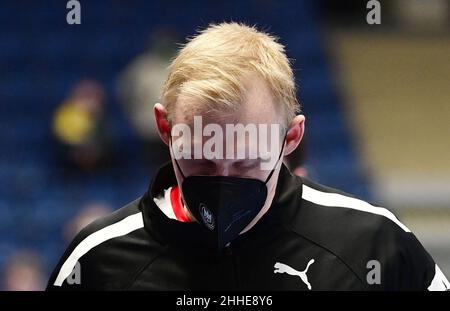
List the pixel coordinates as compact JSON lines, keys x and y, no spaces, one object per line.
{"x":176,"y":162}
{"x":279,"y":157}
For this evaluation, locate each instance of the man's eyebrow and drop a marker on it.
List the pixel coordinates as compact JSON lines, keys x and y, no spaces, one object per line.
{"x":267,"y":157}
{"x":250,"y":162}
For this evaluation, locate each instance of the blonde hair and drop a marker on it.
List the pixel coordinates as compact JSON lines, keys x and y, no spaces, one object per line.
{"x":209,"y":70}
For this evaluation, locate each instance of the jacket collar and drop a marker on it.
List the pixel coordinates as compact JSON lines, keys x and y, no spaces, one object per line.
{"x":190,"y":236}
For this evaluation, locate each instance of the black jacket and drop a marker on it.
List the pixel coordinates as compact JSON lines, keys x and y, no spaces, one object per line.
{"x":312,"y":237}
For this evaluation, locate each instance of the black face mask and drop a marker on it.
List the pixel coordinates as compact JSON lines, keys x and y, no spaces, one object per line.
{"x":224,"y":205}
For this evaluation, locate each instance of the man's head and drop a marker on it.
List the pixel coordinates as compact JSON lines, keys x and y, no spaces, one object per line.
{"x":209,"y":70}
{"x":231,"y":74}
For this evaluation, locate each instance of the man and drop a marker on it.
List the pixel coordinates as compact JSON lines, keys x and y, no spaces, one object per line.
{"x":216,"y":222}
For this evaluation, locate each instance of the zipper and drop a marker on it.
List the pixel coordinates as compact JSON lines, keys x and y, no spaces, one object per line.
{"x":232,"y":265}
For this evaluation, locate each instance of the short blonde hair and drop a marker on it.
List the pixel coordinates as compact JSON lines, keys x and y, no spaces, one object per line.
{"x":209,"y":70}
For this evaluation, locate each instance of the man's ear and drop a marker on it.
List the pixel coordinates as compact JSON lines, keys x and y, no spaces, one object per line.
{"x":294,"y":134}
{"x":162,"y":124}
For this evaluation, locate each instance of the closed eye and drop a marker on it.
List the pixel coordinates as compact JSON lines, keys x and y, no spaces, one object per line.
{"x":247,"y":165}
{"x":201,"y":167}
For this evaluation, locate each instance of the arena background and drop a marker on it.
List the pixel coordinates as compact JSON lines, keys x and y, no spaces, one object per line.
{"x":76,"y":134}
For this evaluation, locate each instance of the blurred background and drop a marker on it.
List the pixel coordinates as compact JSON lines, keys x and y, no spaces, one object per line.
{"x":77,"y":136}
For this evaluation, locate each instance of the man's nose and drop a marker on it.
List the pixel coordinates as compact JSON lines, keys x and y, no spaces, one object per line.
{"x":222,"y":170}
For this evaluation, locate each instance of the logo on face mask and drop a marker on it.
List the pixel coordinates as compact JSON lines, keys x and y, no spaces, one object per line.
{"x":207,"y":216}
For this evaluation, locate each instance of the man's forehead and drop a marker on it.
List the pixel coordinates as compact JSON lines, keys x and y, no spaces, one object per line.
{"x":225,"y":118}
{"x":257,"y":107}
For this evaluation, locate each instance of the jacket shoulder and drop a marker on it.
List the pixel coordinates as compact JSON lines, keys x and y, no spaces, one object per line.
{"x":105,"y":254}
{"x":364,"y":235}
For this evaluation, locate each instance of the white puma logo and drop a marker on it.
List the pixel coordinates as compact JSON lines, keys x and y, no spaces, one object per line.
{"x":282,"y":268}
